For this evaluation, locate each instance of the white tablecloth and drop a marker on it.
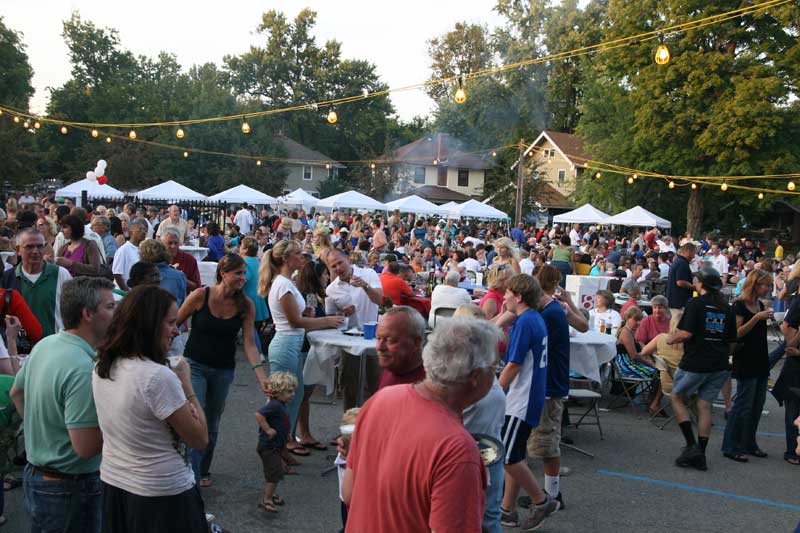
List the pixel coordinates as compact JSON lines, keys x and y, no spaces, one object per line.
{"x":588,"y":351}
{"x":198,"y":252}
{"x":327,"y":346}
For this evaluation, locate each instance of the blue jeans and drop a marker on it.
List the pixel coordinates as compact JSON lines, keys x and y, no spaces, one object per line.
{"x":565,"y":268}
{"x":740,"y":431}
{"x":494,"y":497}
{"x":211,"y":386}
{"x":284,"y":356}
{"x":776,"y":354}
{"x":63,"y":505}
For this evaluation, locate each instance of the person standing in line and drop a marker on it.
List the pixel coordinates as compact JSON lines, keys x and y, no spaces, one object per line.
{"x":53,"y":393}
{"x":707,"y":330}
{"x":218,"y":314}
{"x":525,"y":378}
{"x":679,"y":281}
{"x":128,"y":254}
{"x":750,"y":368}
{"x":149,"y":415}
{"x":290,"y":316}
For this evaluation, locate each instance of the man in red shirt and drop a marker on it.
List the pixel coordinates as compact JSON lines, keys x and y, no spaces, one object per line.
{"x":412,"y":466}
{"x":399,"y":344}
{"x":180,"y":259}
{"x":394,"y":286}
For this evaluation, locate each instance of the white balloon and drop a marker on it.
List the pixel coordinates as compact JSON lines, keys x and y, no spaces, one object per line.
{"x":102,"y":164}
{"x":91,"y":176}
{"x":98,"y":171}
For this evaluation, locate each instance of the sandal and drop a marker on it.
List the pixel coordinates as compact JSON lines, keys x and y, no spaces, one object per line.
{"x":738,"y":457}
{"x":758,"y":452}
{"x":205,"y":482}
{"x":268,"y":506}
{"x":299,"y":450}
{"x":277,"y":500}
{"x":792,"y":460}
{"x":313,"y":444}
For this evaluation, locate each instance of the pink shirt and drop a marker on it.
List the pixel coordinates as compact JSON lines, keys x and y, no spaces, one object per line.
{"x":650,"y":327}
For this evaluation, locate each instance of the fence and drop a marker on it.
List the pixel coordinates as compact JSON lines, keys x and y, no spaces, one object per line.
{"x":201,"y":211}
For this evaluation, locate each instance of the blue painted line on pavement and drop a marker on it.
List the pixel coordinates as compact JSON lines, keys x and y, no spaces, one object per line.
{"x":761,"y":433}
{"x":699,"y":489}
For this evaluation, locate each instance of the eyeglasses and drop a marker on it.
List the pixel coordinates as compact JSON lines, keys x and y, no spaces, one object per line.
{"x":36,"y":246}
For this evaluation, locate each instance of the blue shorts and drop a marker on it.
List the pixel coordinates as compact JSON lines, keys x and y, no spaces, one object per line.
{"x":705,"y":384}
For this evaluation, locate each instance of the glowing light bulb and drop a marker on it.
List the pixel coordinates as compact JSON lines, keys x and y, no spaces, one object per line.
{"x":327,"y":166}
{"x":132,"y":134}
{"x":435,"y":161}
{"x":671,"y":184}
{"x":636,"y":176}
{"x":258,"y":163}
{"x":26,"y":124}
{"x":790,"y":186}
{"x":16,"y":120}
{"x":108,"y":139}
{"x":662,"y":54}
{"x":179,"y":133}
{"x":245,"y":128}
{"x":36,"y":125}
{"x":185,"y":154}
{"x":761,"y":196}
{"x":460,"y":96}
{"x":95,"y":133}
{"x":630,"y":180}
{"x":64,"y":130}
{"x":1,"y":112}
{"x":372,"y":166}
{"x":332,"y":117}
{"x":694,"y":186}
{"x":494,"y":154}
{"x":598,"y":176}
{"x":724,"y":186}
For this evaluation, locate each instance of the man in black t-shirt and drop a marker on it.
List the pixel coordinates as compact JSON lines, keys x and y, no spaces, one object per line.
{"x":707,"y":330}
{"x":679,"y":281}
{"x":790,"y":378}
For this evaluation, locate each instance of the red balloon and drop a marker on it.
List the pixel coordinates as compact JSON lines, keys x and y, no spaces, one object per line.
{"x":102,"y":180}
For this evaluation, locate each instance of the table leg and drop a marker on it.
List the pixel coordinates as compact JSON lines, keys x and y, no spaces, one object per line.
{"x":362,"y":370}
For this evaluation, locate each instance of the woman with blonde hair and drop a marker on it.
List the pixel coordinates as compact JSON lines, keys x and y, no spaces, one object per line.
{"x":506,"y":254}
{"x":496,"y":279}
{"x":291,"y":318}
{"x":322,"y":241}
{"x":631,"y":362}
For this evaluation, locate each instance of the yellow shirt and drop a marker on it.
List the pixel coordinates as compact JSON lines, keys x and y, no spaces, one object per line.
{"x":779,"y":252}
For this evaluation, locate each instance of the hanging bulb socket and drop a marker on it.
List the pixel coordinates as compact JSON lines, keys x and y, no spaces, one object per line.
{"x":16,"y":120}
{"x":95,"y":134}
{"x":245,"y":127}
{"x":64,"y":130}
{"x":671,"y":184}
{"x":26,"y":124}
{"x":372,"y":166}
{"x":662,"y":52}
{"x":460,"y":96}
{"x":598,"y":176}
{"x":761,"y":196}
{"x":630,"y":180}
{"x":332,"y":117}
{"x":179,"y":133}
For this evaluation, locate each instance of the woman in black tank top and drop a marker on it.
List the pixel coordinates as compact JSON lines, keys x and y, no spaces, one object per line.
{"x":218,"y":314}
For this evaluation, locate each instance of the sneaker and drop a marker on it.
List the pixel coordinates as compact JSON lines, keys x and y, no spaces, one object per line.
{"x":560,"y":500}
{"x":509,"y":518}
{"x":564,"y":471}
{"x":699,"y":462}
{"x":525,"y":502}
{"x":688,"y":456}
{"x":540,"y":514}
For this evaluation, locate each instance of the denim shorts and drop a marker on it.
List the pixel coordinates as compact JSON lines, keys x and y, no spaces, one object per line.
{"x":705,"y":384}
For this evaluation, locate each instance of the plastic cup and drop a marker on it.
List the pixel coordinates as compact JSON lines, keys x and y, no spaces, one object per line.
{"x":369,"y":330}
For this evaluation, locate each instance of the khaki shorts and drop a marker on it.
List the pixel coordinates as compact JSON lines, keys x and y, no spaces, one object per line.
{"x":545,"y":440}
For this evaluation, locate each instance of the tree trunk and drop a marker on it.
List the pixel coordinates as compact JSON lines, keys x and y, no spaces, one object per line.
{"x":694,"y":212}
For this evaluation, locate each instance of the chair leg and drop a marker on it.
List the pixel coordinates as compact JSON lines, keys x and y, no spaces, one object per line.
{"x":597,"y":417}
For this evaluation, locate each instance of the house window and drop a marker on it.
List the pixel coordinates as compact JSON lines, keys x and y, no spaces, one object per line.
{"x":307,"y":173}
{"x":463,"y":178}
{"x":562,"y":178}
{"x":333,"y":173}
{"x":419,"y":175}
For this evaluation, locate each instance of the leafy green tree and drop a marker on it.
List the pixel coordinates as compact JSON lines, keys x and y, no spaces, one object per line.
{"x":464,"y":49}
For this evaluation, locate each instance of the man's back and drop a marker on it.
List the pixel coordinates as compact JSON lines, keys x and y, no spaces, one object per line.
{"x":415,"y":467}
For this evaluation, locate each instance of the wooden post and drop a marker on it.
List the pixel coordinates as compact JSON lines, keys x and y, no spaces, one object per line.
{"x":520,"y":178}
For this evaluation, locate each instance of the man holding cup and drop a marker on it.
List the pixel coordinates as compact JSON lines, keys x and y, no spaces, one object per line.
{"x":355,"y":293}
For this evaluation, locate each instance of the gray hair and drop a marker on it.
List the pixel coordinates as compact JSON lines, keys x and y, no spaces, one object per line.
{"x":103,"y":220}
{"x":415,"y":321}
{"x":457,"y":347}
{"x":78,"y":294}
{"x":138,"y":223}
{"x":659,"y":299}
{"x":171,"y":230}
{"x":29,"y":231}
{"x":452,"y":278}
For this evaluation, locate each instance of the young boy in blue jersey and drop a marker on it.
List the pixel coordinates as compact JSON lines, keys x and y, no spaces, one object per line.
{"x":524,"y":377}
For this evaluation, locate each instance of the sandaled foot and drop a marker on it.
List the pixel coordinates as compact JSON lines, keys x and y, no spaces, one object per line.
{"x":268,"y":506}
{"x":738,"y":457}
{"x":10,"y":482}
{"x":792,"y":460}
{"x":205,"y":482}
{"x":313,"y":444}
{"x":277,"y":500}
{"x":758,"y":452}
{"x":299,"y":450}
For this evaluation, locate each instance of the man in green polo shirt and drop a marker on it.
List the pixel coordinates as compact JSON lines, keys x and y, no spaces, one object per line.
{"x":53,"y":391}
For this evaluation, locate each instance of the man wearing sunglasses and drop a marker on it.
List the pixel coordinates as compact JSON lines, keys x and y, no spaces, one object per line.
{"x":39,"y":281}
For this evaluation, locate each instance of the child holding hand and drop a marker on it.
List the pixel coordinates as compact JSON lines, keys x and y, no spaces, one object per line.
{"x":273,"y":432}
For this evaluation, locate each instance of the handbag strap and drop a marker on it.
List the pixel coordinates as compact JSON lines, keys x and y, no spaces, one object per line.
{"x":6,"y":307}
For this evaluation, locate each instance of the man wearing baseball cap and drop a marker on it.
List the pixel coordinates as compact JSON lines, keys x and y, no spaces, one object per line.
{"x":707,"y":330}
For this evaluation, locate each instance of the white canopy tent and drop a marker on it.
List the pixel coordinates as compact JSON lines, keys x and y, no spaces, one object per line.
{"x":351,"y":200}
{"x":413,"y":204}
{"x":172,"y":191}
{"x":476,"y":209}
{"x":638,"y":217}
{"x":243,"y":194}
{"x":92,"y":188}
{"x":300,"y":198}
{"x":444,"y":209}
{"x":585,"y":214}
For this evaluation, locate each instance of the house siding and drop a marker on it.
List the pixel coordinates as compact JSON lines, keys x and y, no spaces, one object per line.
{"x":548,"y":168}
{"x":294,"y":177}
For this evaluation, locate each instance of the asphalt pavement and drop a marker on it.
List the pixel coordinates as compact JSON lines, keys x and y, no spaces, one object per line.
{"x":631,"y":484}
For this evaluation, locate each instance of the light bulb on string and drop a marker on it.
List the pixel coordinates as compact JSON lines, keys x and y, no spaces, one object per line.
{"x":332,"y":117}
{"x":598,"y":176}
{"x":108,"y":139}
{"x":132,"y":134}
{"x":460,"y":95}
{"x":671,"y":184}
{"x":636,"y":176}
{"x":16,"y":120}
{"x":694,"y":186}
{"x":327,"y":166}
{"x":662,"y":52}
{"x":1,"y":112}
{"x":494,"y":154}
{"x":245,"y":127}
{"x":64,"y":130}
{"x":630,"y":180}
{"x":36,"y":125}
{"x":790,"y":186}
{"x":179,"y":133}
{"x":761,"y":196}
{"x":185,"y":155}
{"x":724,"y":186}
{"x":26,"y":124}
{"x":258,"y":163}
{"x":372,"y":166}
{"x":435,"y":161}
{"x":95,"y":134}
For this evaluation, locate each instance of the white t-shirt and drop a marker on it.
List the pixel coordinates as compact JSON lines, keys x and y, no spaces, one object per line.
{"x":574,"y":238}
{"x":341,"y":291}
{"x":243,"y":219}
{"x":609,"y":315}
{"x":126,"y":256}
{"x":526,"y":266}
{"x":63,"y":277}
{"x":142,"y":454}
{"x":27,"y":200}
{"x":474,"y":240}
{"x":720,"y":263}
{"x":280,"y":286}
{"x":470,"y":264}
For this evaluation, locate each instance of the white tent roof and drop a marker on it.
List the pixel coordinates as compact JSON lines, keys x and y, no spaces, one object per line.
{"x":351,"y":200}
{"x":299,"y":197}
{"x":585,"y":214}
{"x":170,"y":190}
{"x":638,"y":217}
{"x":241,"y":194}
{"x":414,"y":204}
{"x":476,"y":209}
{"x":92,"y":188}
{"x":444,"y":209}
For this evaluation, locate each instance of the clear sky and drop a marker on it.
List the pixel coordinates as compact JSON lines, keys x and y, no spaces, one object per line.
{"x":392,"y":35}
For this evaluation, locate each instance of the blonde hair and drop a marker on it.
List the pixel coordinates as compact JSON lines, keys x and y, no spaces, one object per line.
{"x":795,"y":272}
{"x":271,"y":263}
{"x":508,"y":244}
{"x":469,"y":310}
{"x":498,"y":275}
{"x":281,"y":382}
{"x":753,"y":278}
{"x":153,"y":251}
{"x":349,"y":416}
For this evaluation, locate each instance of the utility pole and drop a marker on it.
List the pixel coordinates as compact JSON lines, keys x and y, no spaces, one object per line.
{"x":520,"y":178}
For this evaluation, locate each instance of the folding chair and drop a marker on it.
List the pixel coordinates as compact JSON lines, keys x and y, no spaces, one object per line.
{"x":581,"y":389}
{"x":631,"y":386}
{"x":442,"y":312}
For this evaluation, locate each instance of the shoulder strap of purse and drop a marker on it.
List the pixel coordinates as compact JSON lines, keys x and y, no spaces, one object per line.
{"x":6,"y":307}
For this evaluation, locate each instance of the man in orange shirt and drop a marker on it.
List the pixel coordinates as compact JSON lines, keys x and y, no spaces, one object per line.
{"x":394,"y":286}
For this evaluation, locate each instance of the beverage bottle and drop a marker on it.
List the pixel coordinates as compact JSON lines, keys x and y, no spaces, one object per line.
{"x":602,"y":327}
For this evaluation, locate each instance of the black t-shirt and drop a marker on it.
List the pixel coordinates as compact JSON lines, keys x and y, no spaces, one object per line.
{"x":678,"y":296}
{"x":792,"y":319}
{"x":713,"y":330}
{"x":751,"y":357}
{"x":277,"y":417}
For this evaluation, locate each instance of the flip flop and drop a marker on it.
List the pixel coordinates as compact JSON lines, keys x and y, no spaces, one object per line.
{"x":268,"y":507}
{"x":277,"y":500}
{"x":738,"y":457}
{"x":302,"y":452}
{"x":314,"y":444}
{"x":206,"y":482}
{"x":792,"y":460}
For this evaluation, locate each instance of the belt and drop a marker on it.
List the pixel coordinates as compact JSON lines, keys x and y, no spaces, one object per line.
{"x":52,"y":472}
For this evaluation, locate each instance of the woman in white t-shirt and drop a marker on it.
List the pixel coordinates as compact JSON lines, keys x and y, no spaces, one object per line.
{"x":149,"y":415}
{"x":291,"y":316}
{"x":604,"y":310}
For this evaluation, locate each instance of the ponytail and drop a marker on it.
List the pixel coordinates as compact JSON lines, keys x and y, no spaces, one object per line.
{"x":265,"y":273}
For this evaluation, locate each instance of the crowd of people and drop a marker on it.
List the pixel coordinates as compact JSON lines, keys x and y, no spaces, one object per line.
{"x":123,"y":359}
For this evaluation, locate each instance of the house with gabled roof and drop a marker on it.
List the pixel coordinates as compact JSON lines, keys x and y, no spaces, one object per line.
{"x":438,"y":164}
{"x":559,"y":159}
{"x":306,"y":167}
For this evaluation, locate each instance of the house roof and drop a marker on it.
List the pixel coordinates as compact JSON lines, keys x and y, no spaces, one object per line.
{"x":548,"y":196}
{"x":439,"y":195}
{"x":298,"y":153}
{"x":570,"y":146}
{"x":442,"y":147}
